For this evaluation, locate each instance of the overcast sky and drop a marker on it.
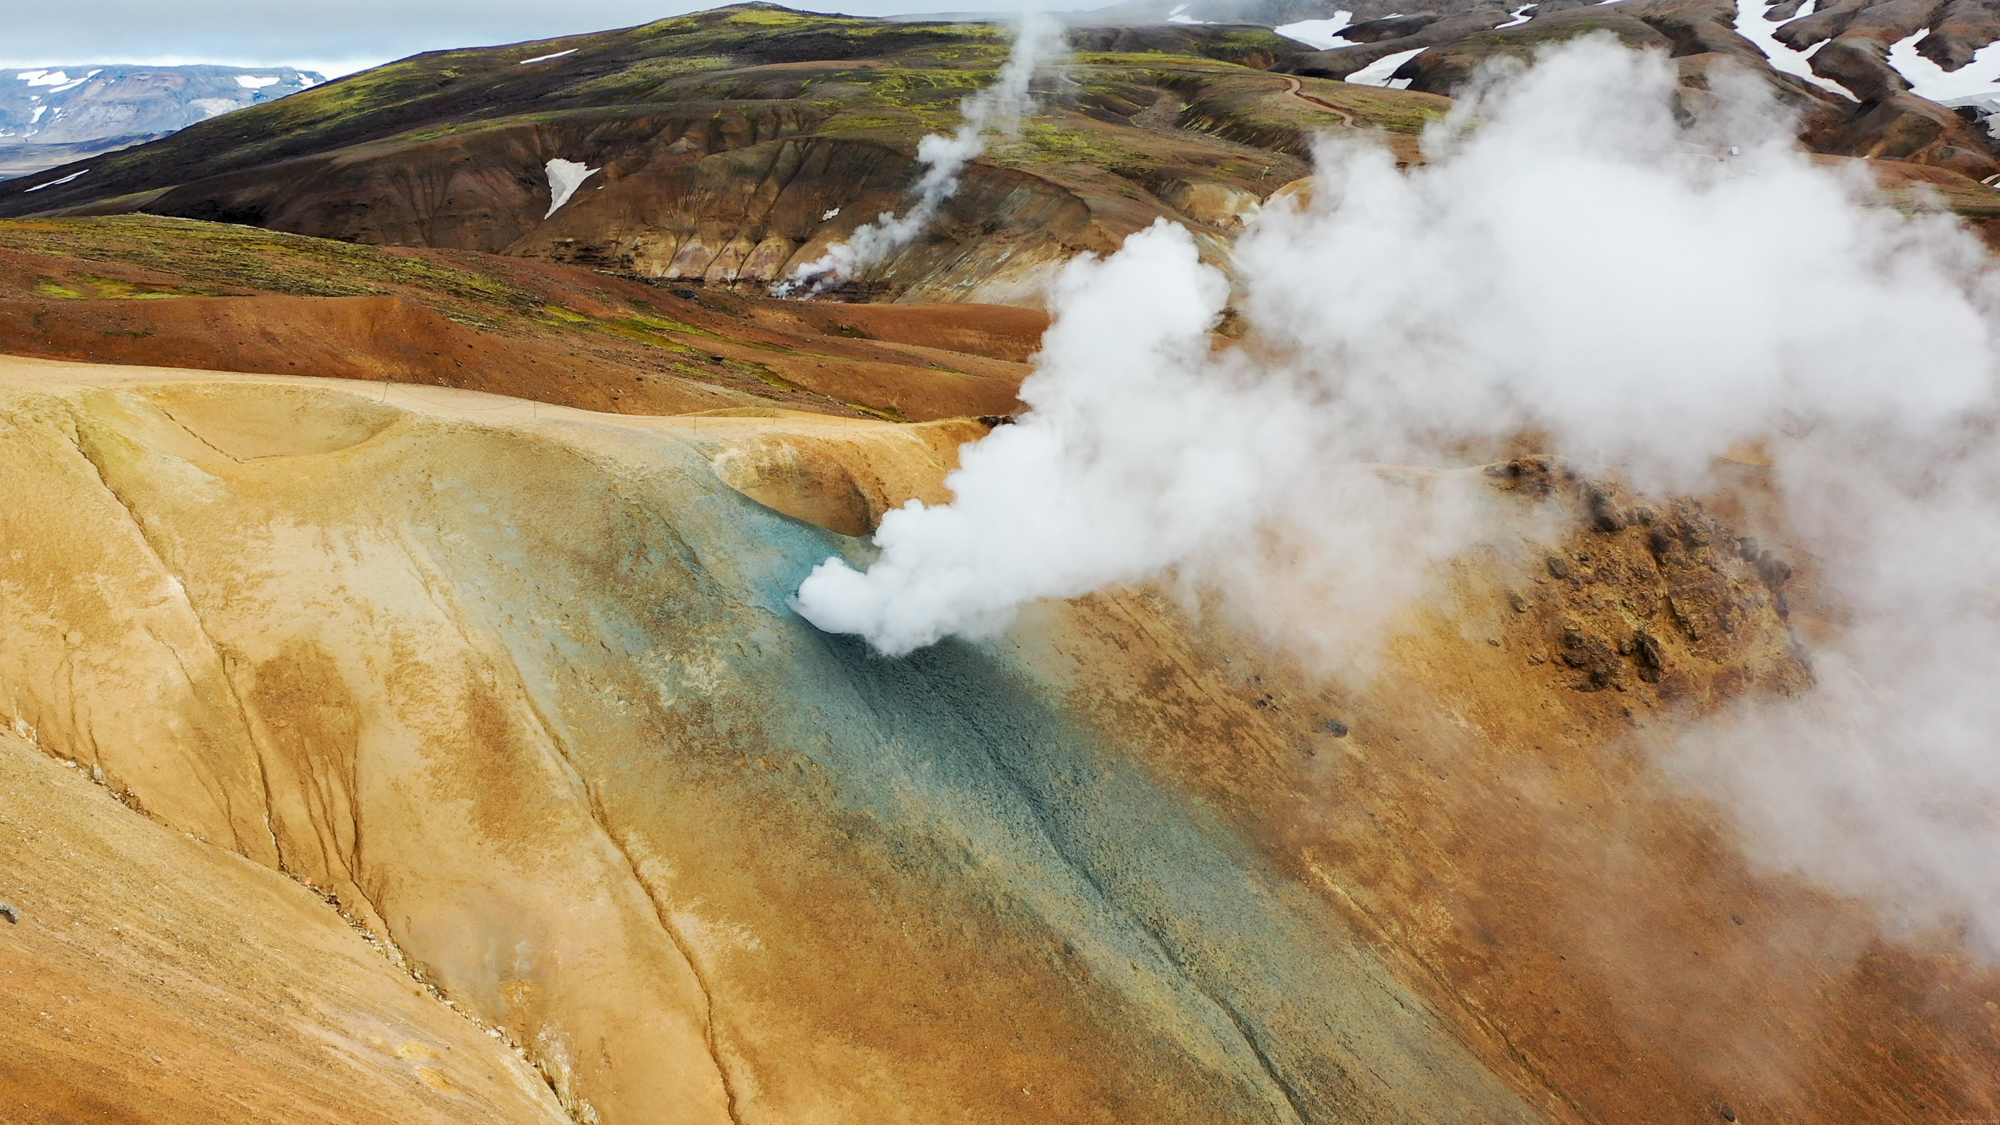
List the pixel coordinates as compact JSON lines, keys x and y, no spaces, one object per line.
{"x":337,"y":36}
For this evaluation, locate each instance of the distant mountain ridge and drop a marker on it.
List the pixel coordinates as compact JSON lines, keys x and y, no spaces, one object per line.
{"x":731,"y":145}
{"x":52,"y":115}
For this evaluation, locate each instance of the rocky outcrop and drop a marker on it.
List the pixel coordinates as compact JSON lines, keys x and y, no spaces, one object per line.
{"x":1908,"y":128}
{"x":1959,"y":30}
{"x":753,"y":215}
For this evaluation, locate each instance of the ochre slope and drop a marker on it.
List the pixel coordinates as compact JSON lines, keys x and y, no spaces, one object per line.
{"x":149,"y":977}
{"x":519,"y":687}
{"x":522,"y":694}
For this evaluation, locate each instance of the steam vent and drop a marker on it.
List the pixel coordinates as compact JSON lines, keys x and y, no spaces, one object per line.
{"x":1214,"y":563}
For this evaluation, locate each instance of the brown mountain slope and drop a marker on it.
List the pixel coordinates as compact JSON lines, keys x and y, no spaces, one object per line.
{"x":731,"y":146}
{"x":1864,"y":107}
{"x":152,"y":291}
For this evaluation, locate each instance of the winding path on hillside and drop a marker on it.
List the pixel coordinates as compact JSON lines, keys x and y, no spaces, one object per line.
{"x":1294,"y":89}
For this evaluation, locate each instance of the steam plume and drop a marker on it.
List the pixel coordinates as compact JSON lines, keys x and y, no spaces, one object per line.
{"x":1572,"y":261}
{"x":1579,"y":264}
{"x":1038,"y":42}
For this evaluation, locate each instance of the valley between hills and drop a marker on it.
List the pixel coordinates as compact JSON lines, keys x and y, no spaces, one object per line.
{"x":404,"y":715}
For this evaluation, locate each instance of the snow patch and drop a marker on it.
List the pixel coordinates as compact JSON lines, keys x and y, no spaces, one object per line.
{"x":37,"y":115}
{"x":53,"y":183}
{"x":1753,"y":24}
{"x":1521,"y":16}
{"x":545,"y":58}
{"x":44,"y":78}
{"x":75,"y":82}
{"x":833,"y":214}
{"x":1175,"y":16}
{"x":1377,"y":73}
{"x":1322,"y":35}
{"x":565,"y":176}
{"x":1979,"y":78}
{"x":256,"y":82}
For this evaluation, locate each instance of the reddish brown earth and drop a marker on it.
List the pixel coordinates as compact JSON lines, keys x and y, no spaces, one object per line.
{"x":71,"y":289}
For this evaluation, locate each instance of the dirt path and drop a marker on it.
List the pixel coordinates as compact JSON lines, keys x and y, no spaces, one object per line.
{"x":1293,"y":90}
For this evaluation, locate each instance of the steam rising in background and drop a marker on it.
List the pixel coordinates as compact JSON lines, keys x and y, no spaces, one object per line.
{"x":1038,"y":44}
{"x":1574,"y":262}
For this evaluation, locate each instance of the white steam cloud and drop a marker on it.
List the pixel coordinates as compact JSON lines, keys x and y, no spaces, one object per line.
{"x":1576,"y":262}
{"x":1038,"y":43}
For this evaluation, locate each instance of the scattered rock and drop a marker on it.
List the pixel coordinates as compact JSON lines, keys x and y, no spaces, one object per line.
{"x":1774,"y":572}
{"x":10,"y":912}
{"x":1530,"y":475}
{"x":1590,"y":655}
{"x":1647,"y":654}
{"x":1334,"y":727}
{"x":1604,"y":513}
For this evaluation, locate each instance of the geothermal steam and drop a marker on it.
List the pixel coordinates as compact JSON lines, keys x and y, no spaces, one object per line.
{"x":1038,"y":42}
{"x":1574,"y":262}
{"x":1577,"y":264}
